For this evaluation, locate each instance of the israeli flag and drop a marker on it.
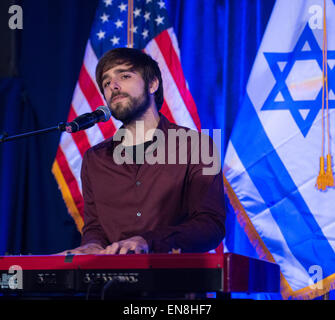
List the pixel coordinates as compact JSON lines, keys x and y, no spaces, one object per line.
{"x":272,"y":159}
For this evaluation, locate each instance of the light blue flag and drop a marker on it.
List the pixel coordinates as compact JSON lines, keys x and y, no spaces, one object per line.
{"x":272,"y":160}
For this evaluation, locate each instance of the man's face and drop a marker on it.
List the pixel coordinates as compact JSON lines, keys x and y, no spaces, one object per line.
{"x":125,"y":92}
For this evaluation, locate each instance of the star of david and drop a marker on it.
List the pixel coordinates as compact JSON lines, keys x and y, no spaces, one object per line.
{"x":306,"y":50}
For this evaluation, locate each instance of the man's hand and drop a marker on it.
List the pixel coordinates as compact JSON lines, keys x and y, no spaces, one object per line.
{"x":136,"y":244}
{"x":90,"y":248}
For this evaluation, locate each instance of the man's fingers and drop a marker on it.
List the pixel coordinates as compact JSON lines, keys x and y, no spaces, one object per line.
{"x":132,"y":245}
{"x":138,"y":250}
{"x":112,"y":249}
{"x":141,"y":250}
{"x":120,"y":247}
{"x":126,"y":246}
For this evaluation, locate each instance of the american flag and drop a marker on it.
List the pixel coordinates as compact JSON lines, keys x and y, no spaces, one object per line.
{"x":141,"y":24}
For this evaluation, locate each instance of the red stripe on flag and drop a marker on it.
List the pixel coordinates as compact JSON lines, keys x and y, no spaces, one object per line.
{"x":167,"y":112}
{"x":71,"y":181}
{"x":171,"y":58}
{"x":80,"y":137}
{"x":72,"y":114}
{"x":88,"y":88}
{"x":220,"y":248}
{"x":94,"y":100}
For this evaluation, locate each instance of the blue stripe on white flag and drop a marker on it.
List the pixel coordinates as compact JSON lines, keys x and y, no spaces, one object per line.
{"x":285,"y":202}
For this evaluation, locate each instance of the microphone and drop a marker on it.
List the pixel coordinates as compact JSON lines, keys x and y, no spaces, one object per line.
{"x":87,"y":120}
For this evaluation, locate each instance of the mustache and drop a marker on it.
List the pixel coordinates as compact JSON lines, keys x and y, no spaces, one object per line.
{"x":117,"y":94}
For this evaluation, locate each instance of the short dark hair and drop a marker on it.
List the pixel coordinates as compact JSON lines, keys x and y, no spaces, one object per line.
{"x":140,"y":61}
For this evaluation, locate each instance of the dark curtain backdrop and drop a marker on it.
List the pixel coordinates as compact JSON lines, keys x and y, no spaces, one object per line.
{"x":218,"y":41}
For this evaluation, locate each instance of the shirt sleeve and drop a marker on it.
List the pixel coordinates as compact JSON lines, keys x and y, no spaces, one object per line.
{"x":204,"y":227}
{"x":92,"y":231}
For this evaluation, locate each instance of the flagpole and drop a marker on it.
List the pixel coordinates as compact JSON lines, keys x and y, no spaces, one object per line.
{"x":130,"y":34}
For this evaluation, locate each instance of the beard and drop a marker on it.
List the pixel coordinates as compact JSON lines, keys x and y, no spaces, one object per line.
{"x":131,"y":110}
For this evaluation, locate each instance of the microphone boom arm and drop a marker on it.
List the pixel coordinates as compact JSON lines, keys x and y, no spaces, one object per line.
{"x":82,"y":122}
{"x":4,"y":136}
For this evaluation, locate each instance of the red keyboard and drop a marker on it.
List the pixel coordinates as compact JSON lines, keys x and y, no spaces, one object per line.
{"x":138,"y":273}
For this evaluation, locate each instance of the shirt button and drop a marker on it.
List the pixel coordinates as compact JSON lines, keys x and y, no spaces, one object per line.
{"x":138,"y":183}
{"x":138,"y":214}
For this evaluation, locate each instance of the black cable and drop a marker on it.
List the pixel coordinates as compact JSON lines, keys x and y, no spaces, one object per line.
{"x":105,"y":288}
{"x":90,"y":284}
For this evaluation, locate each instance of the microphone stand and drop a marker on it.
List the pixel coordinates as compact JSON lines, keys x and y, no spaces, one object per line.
{"x":4,"y":136}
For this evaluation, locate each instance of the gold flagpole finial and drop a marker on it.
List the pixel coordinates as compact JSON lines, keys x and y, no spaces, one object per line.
{"x":325,"y":178}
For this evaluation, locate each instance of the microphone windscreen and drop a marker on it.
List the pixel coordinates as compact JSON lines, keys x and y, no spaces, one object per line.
{"x":107,"y":113}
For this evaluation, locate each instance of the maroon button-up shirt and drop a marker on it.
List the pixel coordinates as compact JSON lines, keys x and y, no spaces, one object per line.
{"x":172,"y":206}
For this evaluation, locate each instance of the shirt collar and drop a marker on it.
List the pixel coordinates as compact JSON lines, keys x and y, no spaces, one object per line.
{"x":163,"y":125}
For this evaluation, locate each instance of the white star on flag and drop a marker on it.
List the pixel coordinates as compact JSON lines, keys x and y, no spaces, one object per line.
{"x":133,"y":29}
{"x":161,"y":4}
{"x":145,"y":33}
{"x":101,"y":34}
{"x":104,"y":18}
{"x":159,"y":20}
{"x":115,"y":40}
{"x":119,"y":23}
{"x":122,"y":7}
{"x":108,"y":2}
{"x":137,"y":12}
{"x":146,"y":16}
